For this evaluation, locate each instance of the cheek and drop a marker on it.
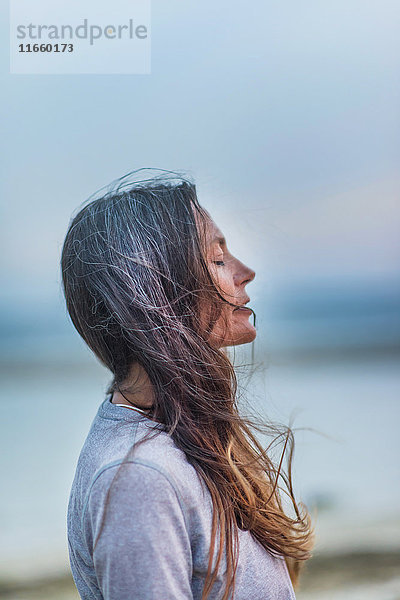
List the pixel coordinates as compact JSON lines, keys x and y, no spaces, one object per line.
{"x":225,"y":282}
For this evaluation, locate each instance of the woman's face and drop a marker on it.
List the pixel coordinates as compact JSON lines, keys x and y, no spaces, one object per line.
{"x":233,"y":326}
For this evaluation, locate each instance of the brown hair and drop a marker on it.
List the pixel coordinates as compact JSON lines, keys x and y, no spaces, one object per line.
{"x":134,"y":273}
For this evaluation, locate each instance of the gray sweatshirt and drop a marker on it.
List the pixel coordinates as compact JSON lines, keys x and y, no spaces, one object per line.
{"x":157,"y":528}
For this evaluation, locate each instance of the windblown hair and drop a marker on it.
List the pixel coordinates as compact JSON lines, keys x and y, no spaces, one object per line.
{"x":135,"y":275}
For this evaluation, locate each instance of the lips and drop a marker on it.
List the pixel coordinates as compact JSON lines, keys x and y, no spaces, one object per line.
{"x":243,"y":307}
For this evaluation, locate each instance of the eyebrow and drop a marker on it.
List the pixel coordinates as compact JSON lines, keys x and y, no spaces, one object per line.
{"x":220,"y":240}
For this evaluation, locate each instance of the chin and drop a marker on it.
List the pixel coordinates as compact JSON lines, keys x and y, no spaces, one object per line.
{"x":239,"y":338}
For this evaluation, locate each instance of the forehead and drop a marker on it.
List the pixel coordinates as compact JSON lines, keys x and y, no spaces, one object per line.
{"x":213,"y":234}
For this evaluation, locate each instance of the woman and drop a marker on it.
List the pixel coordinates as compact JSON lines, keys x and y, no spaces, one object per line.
{"x":173,"y":496}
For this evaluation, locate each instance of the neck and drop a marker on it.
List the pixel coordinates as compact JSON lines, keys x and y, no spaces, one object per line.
{"x":137,"y":390}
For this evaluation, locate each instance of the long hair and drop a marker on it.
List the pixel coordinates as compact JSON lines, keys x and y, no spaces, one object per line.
{"x":135,"y":278}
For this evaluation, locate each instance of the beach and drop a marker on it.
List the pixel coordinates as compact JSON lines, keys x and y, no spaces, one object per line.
{"x":357,"y":576}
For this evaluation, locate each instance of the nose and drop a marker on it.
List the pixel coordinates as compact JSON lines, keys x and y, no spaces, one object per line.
{"x":244,"y":274}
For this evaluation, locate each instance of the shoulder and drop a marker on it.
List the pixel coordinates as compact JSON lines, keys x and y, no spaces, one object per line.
{"x":154,"y":472}
{"x":131,"y":483}
{"x":129,"y":479}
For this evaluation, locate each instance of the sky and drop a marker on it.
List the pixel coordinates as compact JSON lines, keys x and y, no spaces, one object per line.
{"x":285,"y":114}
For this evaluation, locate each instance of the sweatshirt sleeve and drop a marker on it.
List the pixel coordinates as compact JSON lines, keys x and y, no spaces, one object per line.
{"x":144,"y":550}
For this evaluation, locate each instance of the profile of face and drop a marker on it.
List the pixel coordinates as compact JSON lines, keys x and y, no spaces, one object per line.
{"x":233,"y":327}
